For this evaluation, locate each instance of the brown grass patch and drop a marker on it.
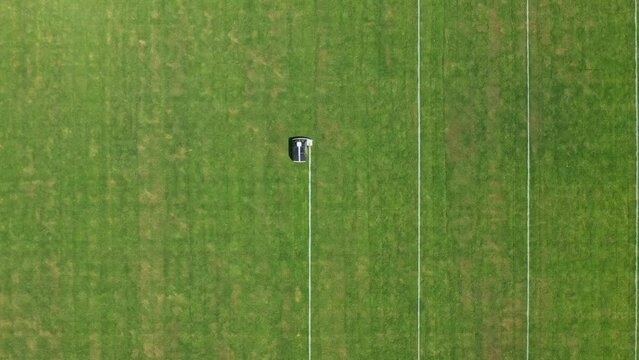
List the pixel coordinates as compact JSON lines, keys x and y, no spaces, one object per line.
{"x":493,"y":95}
{"x":465,"y":271}
{"x":298,"y":295}
{"x":276,"y":27}
{"x":31,"y":331}
{"x":232,"y":35}
{"x":154,"y":197}
{"x":95,"y":347}
{"x":456,"y":150}
{"x":494,"y":31}
{"x":28,"y":170}
{"x":53,"y":269}
{"x":180,"y":154}
{"x":152,"y":345}
{"x":276,"y":92}
{"x":236,"y":295}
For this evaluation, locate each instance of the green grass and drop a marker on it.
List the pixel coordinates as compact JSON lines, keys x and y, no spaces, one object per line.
{"x":583,"y":121}
{"x":148,"y":208}
{"x":475,"y":139}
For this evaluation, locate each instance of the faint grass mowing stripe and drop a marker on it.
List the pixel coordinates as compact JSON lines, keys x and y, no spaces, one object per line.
{"x":636,"y":181}
{"x":528,"y":180}
{"x":419,"y":180}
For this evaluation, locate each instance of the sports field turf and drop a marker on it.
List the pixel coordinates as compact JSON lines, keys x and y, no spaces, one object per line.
{"x":149,"y":210}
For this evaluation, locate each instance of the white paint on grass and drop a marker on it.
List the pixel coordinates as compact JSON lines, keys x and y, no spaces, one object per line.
{"x":308,"y":149}
{"x":636,"y":182}
{"x":527,"y":180}
{"x":419,"y":180}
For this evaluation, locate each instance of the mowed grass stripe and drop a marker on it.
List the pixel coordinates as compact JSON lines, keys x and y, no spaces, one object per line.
{"x":56,"y":208}
{"x":583,"y":180}
{"x":364,"y":295}
{"x":476,"y":207}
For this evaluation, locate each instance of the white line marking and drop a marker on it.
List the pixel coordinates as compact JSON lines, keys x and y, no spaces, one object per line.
{"x":527,"y":180}
{"x":308,"y":149}
{"x":636,"y":181}
{"x":419,"y":180}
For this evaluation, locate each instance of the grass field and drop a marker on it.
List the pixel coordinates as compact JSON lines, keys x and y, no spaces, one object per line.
{"x":148,"y":208}
{"x":476,"y":190}
{"x":584,"y":190}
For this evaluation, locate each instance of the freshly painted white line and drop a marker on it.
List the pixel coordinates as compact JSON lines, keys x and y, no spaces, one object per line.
{"x":308,"y":149}
{"x":636,"y":182}
{"x":419,"y":180}
{"x":527,"y":180}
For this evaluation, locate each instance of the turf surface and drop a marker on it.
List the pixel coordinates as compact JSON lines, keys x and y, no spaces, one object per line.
{"x":476,"y":181}
{"x":148,"y":208}
{"x":583,"y":135}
